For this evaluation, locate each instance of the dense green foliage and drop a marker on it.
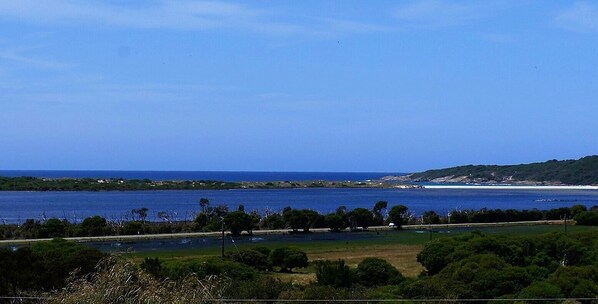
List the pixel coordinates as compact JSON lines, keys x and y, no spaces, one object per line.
{"x":583,"y":171}
{"x":486,"y":266}
{"x":44,"y":266}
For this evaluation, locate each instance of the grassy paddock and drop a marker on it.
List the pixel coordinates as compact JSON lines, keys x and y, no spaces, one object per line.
{"x":400,"y":248}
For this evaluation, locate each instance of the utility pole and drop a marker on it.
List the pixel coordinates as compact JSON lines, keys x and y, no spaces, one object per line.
{"x":565,"y":223}
{"x":430,"y":229}
{"x":222,"y":248}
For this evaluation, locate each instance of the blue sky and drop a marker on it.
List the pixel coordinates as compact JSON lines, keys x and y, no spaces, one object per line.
{"x":389,"y":86}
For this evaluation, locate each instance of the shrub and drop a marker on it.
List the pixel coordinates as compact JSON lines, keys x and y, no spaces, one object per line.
{"x":262,"y":287}
{"x":288,"y":258}
{"x":587,"y":218}
{"x":334,"y":273}
{"x":177,"y":269}
{"x":251,"y":258}
{"x":376,"y":272}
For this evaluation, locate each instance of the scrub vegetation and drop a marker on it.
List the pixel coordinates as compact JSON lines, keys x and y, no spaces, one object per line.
{"x":474,"y":265}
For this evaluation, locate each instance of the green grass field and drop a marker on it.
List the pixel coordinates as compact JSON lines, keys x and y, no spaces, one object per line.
{"x":400,"y":248}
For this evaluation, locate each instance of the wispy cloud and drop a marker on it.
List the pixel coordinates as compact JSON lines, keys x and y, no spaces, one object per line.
{"x":581,"y":17}
{"x":170,"y":14}
{"x":439,"y":13}
{"x":17,"y":56}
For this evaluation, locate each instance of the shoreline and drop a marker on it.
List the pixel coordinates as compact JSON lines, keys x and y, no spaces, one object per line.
{"x":510,"y":187}
{"x":217,"y":234}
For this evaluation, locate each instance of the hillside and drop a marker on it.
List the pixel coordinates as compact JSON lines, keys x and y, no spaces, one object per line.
{"x":583,"y":171}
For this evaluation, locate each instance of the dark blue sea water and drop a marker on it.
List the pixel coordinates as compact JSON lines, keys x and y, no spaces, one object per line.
{"x":230,"y":176}
{"x":74,"y":206}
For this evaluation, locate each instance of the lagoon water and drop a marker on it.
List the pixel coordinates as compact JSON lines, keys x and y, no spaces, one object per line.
{"x":15,"y":207}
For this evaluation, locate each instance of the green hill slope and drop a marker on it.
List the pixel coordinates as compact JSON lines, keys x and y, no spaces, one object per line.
{"x":583,"y":171}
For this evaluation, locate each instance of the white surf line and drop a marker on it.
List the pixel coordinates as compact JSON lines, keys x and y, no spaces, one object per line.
{"x":510,"y":187}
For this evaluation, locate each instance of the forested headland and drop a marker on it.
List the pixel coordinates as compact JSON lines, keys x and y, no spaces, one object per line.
{"x":583,"y":171}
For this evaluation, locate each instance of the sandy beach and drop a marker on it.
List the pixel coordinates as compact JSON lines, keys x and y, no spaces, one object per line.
{"x":510,"y":187}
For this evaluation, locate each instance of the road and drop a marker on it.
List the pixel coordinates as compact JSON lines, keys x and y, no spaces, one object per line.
{"x":124,"y":238}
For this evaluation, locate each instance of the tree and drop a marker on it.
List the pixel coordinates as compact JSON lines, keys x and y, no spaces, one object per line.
{"x":361,"y":217}
{"x":142,"y":212}
{"x":288,"y":258}
{"x":335,"y":222}
{"x":93,"y":226}
{"x":201,"y":220}
{"x":54,"y":228}
{"x":587,"y":218}
{"x":203,"y":204}
{"x":163,"y":215}
{"x":273,"y":221}
{"x":295,"y":219}
{"x":430,"y":217}
{"x":376,"y":272}
{"x":397,"y":214}
{"x":237,"y":221}
{"x":377,"y":210}
{"x":313,"y":218}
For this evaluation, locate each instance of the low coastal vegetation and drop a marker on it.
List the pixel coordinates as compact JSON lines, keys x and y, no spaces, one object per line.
{"x":473,"y":265}
{"x":583,"y":171}
{"x":215,"y":218}
{"x":120,"y":184}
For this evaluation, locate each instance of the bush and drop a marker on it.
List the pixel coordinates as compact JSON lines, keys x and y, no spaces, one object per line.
{"x":587,"y":218}
{"x":133,"y":227}
{"x":288,"y":258}
{"x":177,"y":269}
{"x":259,"y":288}
{"x":318,"y":292}
{"x":59,"y":257}
{"x":251,"y":258}
{"x":334,"y":273}
{"x":376,"y":272}
{"x":93,"y":226}
{"x":541,"y":290}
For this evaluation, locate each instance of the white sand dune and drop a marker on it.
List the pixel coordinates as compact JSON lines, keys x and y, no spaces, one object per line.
{"x":510,"y":187}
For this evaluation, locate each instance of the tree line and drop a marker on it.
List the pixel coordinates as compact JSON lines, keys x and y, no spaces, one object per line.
{"x":212,"y":218}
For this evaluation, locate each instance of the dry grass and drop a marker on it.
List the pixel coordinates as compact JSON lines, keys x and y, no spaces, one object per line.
{"x":403,"y":257}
